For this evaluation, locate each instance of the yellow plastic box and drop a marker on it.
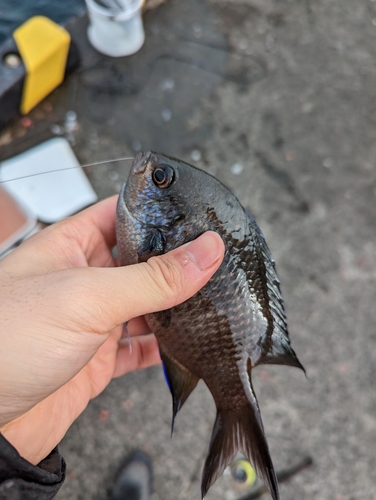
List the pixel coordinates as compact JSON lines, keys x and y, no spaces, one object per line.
{"x":43,"y":47}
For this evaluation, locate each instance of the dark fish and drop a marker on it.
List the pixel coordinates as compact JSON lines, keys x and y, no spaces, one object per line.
{"x":234,"y":323}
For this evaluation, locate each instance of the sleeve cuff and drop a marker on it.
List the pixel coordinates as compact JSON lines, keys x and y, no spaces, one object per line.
{"x":19,"y":479}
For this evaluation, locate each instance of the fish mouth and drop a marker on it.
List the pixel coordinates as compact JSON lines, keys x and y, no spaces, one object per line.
{"x":140,"y":162}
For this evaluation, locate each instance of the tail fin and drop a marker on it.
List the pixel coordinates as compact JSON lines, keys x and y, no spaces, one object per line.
{"x":243,"y":431}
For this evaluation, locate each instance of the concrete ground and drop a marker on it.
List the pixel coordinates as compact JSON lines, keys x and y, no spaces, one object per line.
{"x":278,"y":100}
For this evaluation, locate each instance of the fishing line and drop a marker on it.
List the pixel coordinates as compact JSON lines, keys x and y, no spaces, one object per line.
{"x":127,"y":336}
{"x":68,"y":168}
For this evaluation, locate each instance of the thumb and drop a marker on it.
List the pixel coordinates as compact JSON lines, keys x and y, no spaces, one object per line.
{"x":160,"y":283}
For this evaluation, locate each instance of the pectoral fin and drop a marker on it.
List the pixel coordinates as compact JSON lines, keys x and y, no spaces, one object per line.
{"x":180,"y":381}
{"x":153,"y":244}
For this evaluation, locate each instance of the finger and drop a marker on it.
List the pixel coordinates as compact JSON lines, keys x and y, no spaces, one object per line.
{"x":119,"y":294}
{"x":142,"y":353}
{"x":93,"y":231}
{"x":81,"y":240}
{"x":138,"y":326}
{"x":103,"y":216}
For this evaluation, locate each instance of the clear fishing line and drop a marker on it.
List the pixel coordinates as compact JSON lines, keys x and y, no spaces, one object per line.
{"x":68,"y":168}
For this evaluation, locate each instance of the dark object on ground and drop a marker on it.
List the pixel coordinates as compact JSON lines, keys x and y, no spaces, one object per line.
{"x":134,"y":480}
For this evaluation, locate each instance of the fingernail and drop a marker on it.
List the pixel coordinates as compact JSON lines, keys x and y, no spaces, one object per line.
{"x":205,"y":250}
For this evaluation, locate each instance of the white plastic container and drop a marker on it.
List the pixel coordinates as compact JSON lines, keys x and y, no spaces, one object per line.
{"x":116,"y":27}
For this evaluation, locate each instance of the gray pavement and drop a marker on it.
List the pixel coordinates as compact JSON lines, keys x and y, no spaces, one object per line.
{"x":278,"y":100}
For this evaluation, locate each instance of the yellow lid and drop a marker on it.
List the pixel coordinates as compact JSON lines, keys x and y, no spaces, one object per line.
{"x":44,"y":47}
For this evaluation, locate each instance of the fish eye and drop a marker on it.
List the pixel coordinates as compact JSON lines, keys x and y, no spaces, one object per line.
{"x":163,"y":176}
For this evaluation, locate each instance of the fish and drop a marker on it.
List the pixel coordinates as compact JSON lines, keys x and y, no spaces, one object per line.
{"x":234,"y":323}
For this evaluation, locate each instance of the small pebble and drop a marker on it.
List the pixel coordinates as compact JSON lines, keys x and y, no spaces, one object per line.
{"x":289,"y":156}
{"x":103,"y":415}
{"x":197,"y":27}
{"x":71,"y":116}
{"x":269,"y":42}
{"x":136,"y":146}
{"x":168,"y":84}
{"x":70,"y":121}
{"x":19,"y":132}
{"x":307,"y":107}
{"x":128,"y":404}
{"x":26,"y":122}
{"x":56,"y":129}
{"x":47,"y":106}
{"x":328,"y":162}
{"x":12,"y":60}
{"x":196,"y":155}
{"x":94,"y":137}
{"x":237,"y":168}
{"x":113,"y":175}
{"x":166,"y":114}
{"x":243,"y":44}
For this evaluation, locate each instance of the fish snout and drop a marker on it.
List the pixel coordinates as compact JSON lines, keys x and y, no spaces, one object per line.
{"x":140,"y":162}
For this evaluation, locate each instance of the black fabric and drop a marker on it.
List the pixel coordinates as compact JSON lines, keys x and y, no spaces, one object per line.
{"x":20,"y":480}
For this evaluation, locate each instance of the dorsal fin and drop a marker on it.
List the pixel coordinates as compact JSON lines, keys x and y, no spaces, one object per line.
{"x":280,"y":353}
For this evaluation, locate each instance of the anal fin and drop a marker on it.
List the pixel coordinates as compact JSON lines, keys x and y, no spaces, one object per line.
{"x":181,"y":383}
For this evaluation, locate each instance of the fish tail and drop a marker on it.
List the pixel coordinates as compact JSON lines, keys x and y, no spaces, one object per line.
{"x":242,"y":431}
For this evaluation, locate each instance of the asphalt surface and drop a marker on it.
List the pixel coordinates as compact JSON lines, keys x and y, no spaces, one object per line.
{"x":278,"y":100}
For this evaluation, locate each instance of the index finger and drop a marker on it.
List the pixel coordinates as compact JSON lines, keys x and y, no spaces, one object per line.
{"x":103,"y":216}
{"x":85,"y":239}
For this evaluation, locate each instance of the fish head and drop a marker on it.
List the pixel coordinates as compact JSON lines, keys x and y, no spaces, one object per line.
{"x":155,"y":210}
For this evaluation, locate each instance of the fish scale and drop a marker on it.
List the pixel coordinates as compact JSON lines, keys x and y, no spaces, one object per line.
{"x":235,"y":322}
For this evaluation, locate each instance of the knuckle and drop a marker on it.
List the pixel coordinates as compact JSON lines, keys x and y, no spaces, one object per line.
{"x":166,"y":275}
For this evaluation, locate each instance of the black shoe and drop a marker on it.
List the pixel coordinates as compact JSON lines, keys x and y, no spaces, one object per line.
{"x":134,"y":481}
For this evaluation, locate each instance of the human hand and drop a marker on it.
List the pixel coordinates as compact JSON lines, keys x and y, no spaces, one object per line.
{"x":62,"y":308}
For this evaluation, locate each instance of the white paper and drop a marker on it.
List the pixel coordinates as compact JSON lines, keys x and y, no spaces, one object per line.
{"x":51,"y":196}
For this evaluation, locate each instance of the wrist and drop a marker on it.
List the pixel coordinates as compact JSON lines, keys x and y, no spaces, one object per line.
{"x":27,"y":441}
{"x":36,"y":433}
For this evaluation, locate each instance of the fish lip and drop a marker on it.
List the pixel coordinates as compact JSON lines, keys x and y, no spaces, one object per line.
{"x":140,"y":162}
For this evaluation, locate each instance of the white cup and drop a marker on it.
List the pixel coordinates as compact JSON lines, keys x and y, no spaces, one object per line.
{"x":116,"y":30}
